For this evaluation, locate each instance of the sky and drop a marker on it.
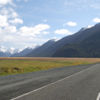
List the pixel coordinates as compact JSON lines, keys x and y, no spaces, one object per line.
{"x":28,"y":23}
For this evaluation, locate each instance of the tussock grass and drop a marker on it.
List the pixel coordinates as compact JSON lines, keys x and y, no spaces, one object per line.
{"x":23,"y":65}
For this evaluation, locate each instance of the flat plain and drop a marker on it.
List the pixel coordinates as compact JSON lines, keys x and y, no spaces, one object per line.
{"x":16,"y":65}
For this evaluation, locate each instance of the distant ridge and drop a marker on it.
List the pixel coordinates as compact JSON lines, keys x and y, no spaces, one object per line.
{"x":5,"y":54}
{"x":84,"y":43}
{"x":22,"y":53}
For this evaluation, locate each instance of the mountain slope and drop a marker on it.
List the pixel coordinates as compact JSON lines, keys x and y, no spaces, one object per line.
{"x":69,"y":46}
{"x":89,"y":47}
{"x":42,"y":51}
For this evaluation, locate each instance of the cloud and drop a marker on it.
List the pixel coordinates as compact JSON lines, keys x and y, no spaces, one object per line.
{"x":9,"y":17}
{"x":5,"y":2}
{"x":24,"y":35}
{"x":12,"y":50}
{"x":33,"y":31}
{"x":10,"y":29}
{"x":3,"y":49}
{"x":97,"y":20}
{"x":45,"y":32}
{"x":56,"y":38}
{"x":3,"y":21}
{"x":70,"y":23}
{"x":90,"y":26}
{"x":63,"y":32}
{"x":12,"y":34}
{"x":16,"y":21}
{"x":8,"y":12}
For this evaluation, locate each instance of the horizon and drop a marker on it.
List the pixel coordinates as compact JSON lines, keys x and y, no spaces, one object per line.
{"x":28,"y":23}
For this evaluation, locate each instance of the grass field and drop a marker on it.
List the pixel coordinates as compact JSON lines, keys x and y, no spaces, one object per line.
{"x":23,"y":65}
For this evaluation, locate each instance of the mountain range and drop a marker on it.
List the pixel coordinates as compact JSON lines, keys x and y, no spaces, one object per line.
{"x":22,"y":53}
{"x":5,"y":54}
{"x":84,"y":43}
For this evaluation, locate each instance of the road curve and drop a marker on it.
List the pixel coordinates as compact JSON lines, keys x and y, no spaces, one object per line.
{"x":62,"y":83}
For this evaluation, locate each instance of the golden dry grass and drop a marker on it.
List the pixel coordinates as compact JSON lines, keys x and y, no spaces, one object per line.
{"x":50,"y":58}
{"x":17,"y":65}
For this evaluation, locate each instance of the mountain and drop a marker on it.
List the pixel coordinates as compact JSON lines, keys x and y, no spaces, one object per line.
{"x":42,"y":51}
{"x":22,"y":53}
{"x":5,"y":54}
{"x":84,"y":43}
{"x":89,"y":46}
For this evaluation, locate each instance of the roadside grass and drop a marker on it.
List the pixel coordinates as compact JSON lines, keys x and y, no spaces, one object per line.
{"x":16,"y":66}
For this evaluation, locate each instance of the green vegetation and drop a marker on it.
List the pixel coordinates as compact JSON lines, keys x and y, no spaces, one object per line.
{"x":13,"y":66}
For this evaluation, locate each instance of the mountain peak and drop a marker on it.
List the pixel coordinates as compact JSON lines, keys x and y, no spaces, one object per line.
{"x":52,"y":40}
{"x":98,"y":24}
{"x":85,"y":28}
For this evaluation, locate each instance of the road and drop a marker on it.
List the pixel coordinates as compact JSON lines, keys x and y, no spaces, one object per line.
{"x":67,"y":83}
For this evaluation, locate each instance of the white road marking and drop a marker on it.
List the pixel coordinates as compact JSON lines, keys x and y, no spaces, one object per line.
{"x":25,"y":94}
{"x":98,"y":97}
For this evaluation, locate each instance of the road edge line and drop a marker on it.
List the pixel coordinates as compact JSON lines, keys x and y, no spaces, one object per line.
{"x":25,"y":94}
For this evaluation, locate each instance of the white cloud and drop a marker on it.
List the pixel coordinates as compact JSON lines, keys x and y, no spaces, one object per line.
{"x":9,"y":17}
{"x":8,"y":12}
{"x":16,"y":21}
{"x":8,"y":38}
{"x":45,"y":32}
{"x":10,"y":29}
{"x":12,"y":50}
{"x":41,"y":27}
{"x":21,"y":36}
{"x":56,"y":38}
{"x":70,"y":23}
{"x":3,"y":21}
{"x":97,"y":20}
{"x":3,"y":49}
{"x":5,"y":2}
{"x":33,"y":31}
{"x":13,"y":13}
{"x":90,"y":26}
{"x":63,"y":32}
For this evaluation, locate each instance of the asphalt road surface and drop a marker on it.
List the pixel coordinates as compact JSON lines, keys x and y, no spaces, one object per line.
{"x":67,"y":83}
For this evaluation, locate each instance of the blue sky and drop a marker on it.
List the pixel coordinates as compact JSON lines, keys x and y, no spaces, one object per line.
{"x":27,"y":23}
